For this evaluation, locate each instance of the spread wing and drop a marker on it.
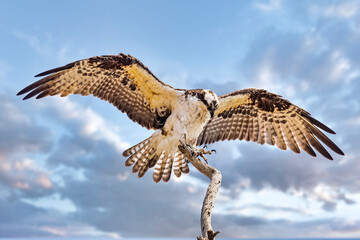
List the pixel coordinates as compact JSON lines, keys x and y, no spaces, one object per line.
{"x":120,"y":79}
{"x":259,"y":116}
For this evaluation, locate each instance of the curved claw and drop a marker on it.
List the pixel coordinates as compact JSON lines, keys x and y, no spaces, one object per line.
{"x":212,"y":234}
{"x":205,"y":146}
{"x":213,"y":150}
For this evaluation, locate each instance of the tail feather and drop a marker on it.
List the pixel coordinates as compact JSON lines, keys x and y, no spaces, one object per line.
{"x":153,"y":160}
{"x":158,"y":167}
{"x":145,"y":162}
{"x":167,"y":171}
{"x":131,"y":160}
{"x":134,"y":149}
{"x":141,"y":158}
{"x":184,"y":166}
{"x":147,"y":154}
{"x":177,"y":164}
{"x":135,"y":158}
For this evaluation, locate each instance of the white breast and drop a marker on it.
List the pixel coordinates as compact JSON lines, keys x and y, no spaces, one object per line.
{"x":189,"y":118}
{"x":186,"y":122}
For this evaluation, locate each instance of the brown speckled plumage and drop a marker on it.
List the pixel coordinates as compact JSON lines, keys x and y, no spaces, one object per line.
{"x":250,"y":114}
{"x":105,"y":77}
{"x":265,"y":117}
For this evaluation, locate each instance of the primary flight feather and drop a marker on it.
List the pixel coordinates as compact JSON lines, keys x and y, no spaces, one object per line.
{"x":195,"y":117}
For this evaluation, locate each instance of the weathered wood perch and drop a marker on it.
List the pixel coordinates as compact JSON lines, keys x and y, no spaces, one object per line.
{"x":215,"y":176}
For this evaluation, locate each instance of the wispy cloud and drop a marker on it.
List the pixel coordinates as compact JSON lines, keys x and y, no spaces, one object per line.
{"x":45,"y":44}
{"x":343,"y":9}
{"x":268,"y":6}
{"x":42,"y":46}
{"x":60,"y":151}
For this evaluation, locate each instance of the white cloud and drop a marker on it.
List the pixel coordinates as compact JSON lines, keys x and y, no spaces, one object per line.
{"x":46,"y":45}
{"x":124,"y":176}
{"x":345,"y":9}
{"x":53,"y":202}
{"x":42,"y":46}
{"x":268,"y":6}
{"x":267,"y":78}
{"x":86,"y":122}
{"x":92,"y":147}
{"x":24,"y":174}
{"x":17,"y":138}
{"x":341,"y":66}
{"x":354,"y":121}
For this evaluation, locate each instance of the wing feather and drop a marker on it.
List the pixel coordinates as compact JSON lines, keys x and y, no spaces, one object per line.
{"x":270,"y":132}
{"x":280,"y":141}
{"x":263,"y":117}
{"x":120,"y":79}
{"x":249,"y":131}
{"x":289,"y":138}
{"x":301,"y":139}
{"x":313,"y":141}
{"x":256,"y":127}
{"x":262,"y":131}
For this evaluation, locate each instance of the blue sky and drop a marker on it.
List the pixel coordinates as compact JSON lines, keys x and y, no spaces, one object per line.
{"x":61,"y":169}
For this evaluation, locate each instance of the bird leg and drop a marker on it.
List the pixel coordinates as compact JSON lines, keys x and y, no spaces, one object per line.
{"x":196,"y":152}
{"x":201,"y":152}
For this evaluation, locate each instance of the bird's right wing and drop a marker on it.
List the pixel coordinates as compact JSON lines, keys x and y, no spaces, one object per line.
{"x":119,"y":79}
{"x":263,"y":117}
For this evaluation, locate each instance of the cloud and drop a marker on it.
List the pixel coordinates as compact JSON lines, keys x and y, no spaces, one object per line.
{"x":113,"y":205}
{"x":257,"y":227}
{"x":88,"y":170}
{"x":19,"y":219}
{"x":42,"y":46}
{"x":10,"y":210}
{"x":84,"y":122}
{"x":343,"y":9}
{"x":314,"y":69}
{"x":27,"y":178}
{"x":46,"y":44}
{"x":106,"y":196}
{"x":19,"y":137}
{"x":66,"y":148}
{"x":271,"y":5}
{"x":297,"y":175}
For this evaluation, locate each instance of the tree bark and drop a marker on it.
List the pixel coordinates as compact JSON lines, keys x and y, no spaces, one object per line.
{"x":215,"y":176}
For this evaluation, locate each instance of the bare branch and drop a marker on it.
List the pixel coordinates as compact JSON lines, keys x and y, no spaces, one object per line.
{"x":215,"y":176}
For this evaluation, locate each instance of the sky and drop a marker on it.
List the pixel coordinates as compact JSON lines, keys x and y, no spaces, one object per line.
{"x":61,"y":169}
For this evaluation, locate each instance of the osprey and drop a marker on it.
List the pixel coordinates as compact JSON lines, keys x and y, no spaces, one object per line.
{"x":195,"y":117}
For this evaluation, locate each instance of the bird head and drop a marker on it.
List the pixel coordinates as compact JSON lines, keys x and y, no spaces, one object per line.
{"x":211,"y":101}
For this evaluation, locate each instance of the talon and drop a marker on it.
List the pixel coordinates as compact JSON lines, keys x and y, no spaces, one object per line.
{"x":213,"y":150}
{"x":197,"y":152}
{"x":205,"y":146}
{"x":203,"y":151}
{"x":202,"y":155}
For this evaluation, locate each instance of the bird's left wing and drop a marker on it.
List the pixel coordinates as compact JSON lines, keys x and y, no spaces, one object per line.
{"x":263,"y":117}
{"x":120,"y":79}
